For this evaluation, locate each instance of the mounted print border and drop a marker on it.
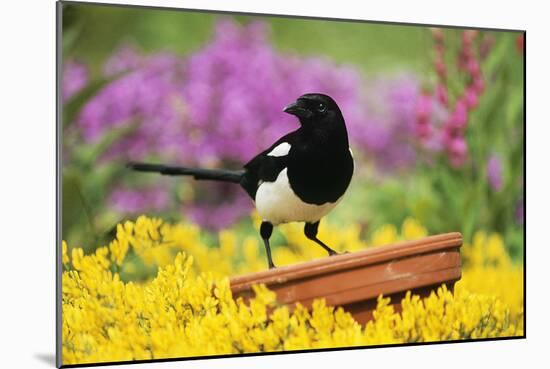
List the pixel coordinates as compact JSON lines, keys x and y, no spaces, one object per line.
{"x":407,"y":144}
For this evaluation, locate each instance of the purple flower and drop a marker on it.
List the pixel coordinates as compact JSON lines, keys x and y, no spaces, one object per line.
{"x":520,"y":212}
{"x":226,"y":93}
{"x":223,"y":104}
{"x":123,"y":60}
{"x":494,"y":172}
{"x":75,"y":78}
{"x":136,"y":201}
{"x":144,"y":98}
{"x":223,"y":208}
{"x":389,"y":122}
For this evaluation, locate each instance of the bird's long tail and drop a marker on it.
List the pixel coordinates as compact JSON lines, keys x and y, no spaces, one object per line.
{"x":222,"y":175}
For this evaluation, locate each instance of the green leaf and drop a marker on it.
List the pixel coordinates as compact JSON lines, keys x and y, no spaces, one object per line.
{"x":76,"y":212}
{"x":71,"y":35}
{"x":86,"y":156}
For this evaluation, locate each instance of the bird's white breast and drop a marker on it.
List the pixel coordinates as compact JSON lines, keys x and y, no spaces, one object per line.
{"x":277,"y":203}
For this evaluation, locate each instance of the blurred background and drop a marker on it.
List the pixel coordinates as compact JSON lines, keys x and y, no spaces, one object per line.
{"x":435,"y":118}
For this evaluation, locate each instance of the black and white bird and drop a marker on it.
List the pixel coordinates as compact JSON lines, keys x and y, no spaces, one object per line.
{"x":300,"y":178}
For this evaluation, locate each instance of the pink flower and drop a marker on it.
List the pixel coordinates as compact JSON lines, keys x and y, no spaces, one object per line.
{"x":437,"y":34}
{"x":458,"y":146}
{"x":440,"y":67}
{"x":448,"y":134}
{"x":479,"y":85}
{"x":423,"y":130}
{"x":468,"y":37}
{"x":423,"y":107}
{"x":471,"y":97}
{"x":473,"y":67}
{"x":459,"y":117}
{"x":442,"y":95}
{"x":458,"y":151}
{"x":520,"y":43}
{"x":486,"y":46}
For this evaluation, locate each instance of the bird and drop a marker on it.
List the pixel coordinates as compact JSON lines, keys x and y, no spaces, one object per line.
{"x":299,"y":178}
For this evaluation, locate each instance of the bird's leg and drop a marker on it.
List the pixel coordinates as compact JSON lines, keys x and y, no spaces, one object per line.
{"x":265,"y":231}
{"x":310,"y":230}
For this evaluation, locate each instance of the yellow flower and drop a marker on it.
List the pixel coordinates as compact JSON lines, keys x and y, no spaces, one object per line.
{"x":385,"y":235}
{"x":412,"y":229}
{"x":64,"y":253}
{"x":187,"y":308}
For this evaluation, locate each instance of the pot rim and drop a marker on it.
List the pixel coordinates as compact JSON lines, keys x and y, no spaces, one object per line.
{"x":369,"y":256}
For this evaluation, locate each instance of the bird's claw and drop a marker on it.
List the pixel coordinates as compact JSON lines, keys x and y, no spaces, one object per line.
{"x":334,"y":253}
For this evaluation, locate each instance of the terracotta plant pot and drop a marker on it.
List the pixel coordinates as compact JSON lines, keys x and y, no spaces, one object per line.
{"x":355,"y":280}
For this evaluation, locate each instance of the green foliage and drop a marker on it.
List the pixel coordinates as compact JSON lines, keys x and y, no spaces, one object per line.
{"x":447,"y":199}
{"x":440,"y":197}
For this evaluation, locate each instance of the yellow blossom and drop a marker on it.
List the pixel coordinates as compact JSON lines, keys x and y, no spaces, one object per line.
{"x":187,"y":308}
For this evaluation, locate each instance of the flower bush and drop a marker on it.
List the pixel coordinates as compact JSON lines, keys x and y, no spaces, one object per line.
{"x":438,"y":144}
{"x":75,"y":78}
{"x":435,"y":145}
{"x":219,"y":107}
{"x":186,"y":308}
{"x":469,"y":149}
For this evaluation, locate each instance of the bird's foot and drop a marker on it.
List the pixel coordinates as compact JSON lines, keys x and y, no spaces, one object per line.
{"x":334,"y":253}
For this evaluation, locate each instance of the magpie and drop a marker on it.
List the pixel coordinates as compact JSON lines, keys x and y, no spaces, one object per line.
{"x":300,"y":178}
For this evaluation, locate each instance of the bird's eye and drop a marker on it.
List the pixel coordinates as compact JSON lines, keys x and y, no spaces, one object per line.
{"x":321,"y":108}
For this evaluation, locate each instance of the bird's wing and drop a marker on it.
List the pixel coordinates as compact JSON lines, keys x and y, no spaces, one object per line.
{"x":266,"y":166}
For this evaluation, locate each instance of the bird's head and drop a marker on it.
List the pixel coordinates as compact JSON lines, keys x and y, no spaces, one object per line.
{"x":315,"y":110}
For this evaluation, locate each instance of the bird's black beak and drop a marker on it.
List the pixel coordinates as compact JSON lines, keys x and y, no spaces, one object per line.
{"x":296,"y":109}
